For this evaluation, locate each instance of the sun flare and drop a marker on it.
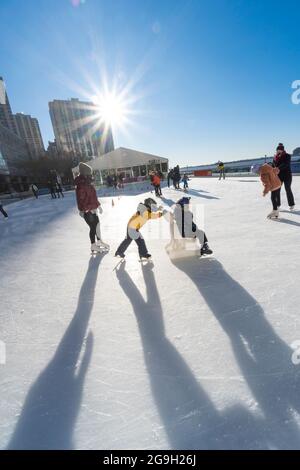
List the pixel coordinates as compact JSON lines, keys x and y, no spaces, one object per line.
{"x":112,"y":109}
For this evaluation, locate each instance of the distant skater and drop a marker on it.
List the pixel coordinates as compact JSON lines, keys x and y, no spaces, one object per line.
{"x":221,"y":168}
{"x":170,"y":177}
{"x":58,"y":185}
{"x":282,"y":161}
{"x":35,"y":190}
{"x":176,"y":177}
{"x":156,"y":180}
{"x":185,"y":180}
{"x":51,"y":190}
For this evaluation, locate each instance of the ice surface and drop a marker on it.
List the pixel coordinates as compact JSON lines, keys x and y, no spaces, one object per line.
{"x":181,"y":354}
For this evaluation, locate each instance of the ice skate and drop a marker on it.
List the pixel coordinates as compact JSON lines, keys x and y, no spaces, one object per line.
{"x":292,"y":208}
{"x":103,"y":246}
{"x":273,"y":215}
{"x":118,"y":254}
{"x":205,"y":250}
{"x":95,"y":248}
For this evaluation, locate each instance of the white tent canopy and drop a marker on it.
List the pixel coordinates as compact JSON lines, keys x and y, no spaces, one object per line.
{"x":127,"y":161}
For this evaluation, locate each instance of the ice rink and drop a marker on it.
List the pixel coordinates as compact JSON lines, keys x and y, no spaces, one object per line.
{"x":179,"y":354}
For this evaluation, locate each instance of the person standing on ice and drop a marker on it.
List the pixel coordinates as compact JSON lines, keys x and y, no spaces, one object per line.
{"x":35,"y":190}
{"x":221,"y":168}
{"x":145,"y":212}
{"x":282,"y":161}
{"x":156,"y":180}
{"x":183,"y":217}
{"x":185,"y":180}
{"x":89,"y":205}
{"x":271,"y":183}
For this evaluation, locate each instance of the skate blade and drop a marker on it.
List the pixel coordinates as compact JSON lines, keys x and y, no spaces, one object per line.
{"x":122,"y":260}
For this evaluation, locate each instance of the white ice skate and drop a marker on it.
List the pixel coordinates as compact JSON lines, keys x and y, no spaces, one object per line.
{"x":273,"y":215}
{"x":292,"y":208}
{"x":103,"y":246}
{"x":95,"y":248}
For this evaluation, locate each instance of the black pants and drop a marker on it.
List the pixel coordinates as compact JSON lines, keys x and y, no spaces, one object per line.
{"x":53,"y":195}
{"x":157,"y":190}
{"x":287,"y":181}
{"x":92,"y":220}
{"x":222,"y":173}
{"x":275,"y":198}
{"x":3,"y":211}
{"x":139,"y":241}
{"x":35,"y":194}
{"x":59,"y":191}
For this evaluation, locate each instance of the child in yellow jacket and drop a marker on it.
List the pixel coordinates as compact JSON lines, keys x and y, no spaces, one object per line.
{"x":136,"y":222}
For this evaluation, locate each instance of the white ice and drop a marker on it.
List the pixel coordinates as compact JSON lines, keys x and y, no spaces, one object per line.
{"x":186,"y":354}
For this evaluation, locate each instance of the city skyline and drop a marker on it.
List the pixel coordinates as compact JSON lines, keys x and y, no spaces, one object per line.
{"x":202,"y":81}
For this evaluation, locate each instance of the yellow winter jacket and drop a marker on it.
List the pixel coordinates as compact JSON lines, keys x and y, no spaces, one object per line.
{"x":141,"y":217}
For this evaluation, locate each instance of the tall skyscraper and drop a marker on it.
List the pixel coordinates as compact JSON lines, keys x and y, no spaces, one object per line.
{"x":29,"y":130}
{"x":78,"y":130}
{"x":6,"y":116}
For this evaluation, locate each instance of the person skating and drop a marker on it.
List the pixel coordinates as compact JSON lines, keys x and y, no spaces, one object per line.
{"x":282,"y":161}
{"x":35,"y":190}
{"x":156,"y":180}
{"x":185,"y":180}
{"x":3,"y":211}
{"x":221,"y":168}
{"x":59,"y":186}
{"x":177,"y":177}
{"x":170,"y":177}
{"x":51,"y":189}
{"x":88,"y":205}
{"x":271,"y":183}
{"x":183,"y":217}
{"x":143,"y":214}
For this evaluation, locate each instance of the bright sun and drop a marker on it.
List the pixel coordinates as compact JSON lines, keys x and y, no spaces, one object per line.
{"x":111,"y":108}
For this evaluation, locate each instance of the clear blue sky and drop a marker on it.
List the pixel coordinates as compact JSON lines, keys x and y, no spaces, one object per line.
{"x":213,"y":77}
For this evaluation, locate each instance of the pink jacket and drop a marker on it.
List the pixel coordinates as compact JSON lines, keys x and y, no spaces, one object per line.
{"x":269,"y":178}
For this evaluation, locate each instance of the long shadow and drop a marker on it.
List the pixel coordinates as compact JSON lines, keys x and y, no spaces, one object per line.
{"x":200,"y":191}
{"x":290,"y":212}
{"x":193,"y":192}
{"x":51,"y":407}
{"x":190,"y":419}
{"x":288,"y":222}
{"x":247,"y":181}
{"x":263,"y":357}
{"x":167,"y":201}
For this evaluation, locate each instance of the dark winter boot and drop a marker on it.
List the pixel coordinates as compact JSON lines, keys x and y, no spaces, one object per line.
{"x":205,"y":250}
